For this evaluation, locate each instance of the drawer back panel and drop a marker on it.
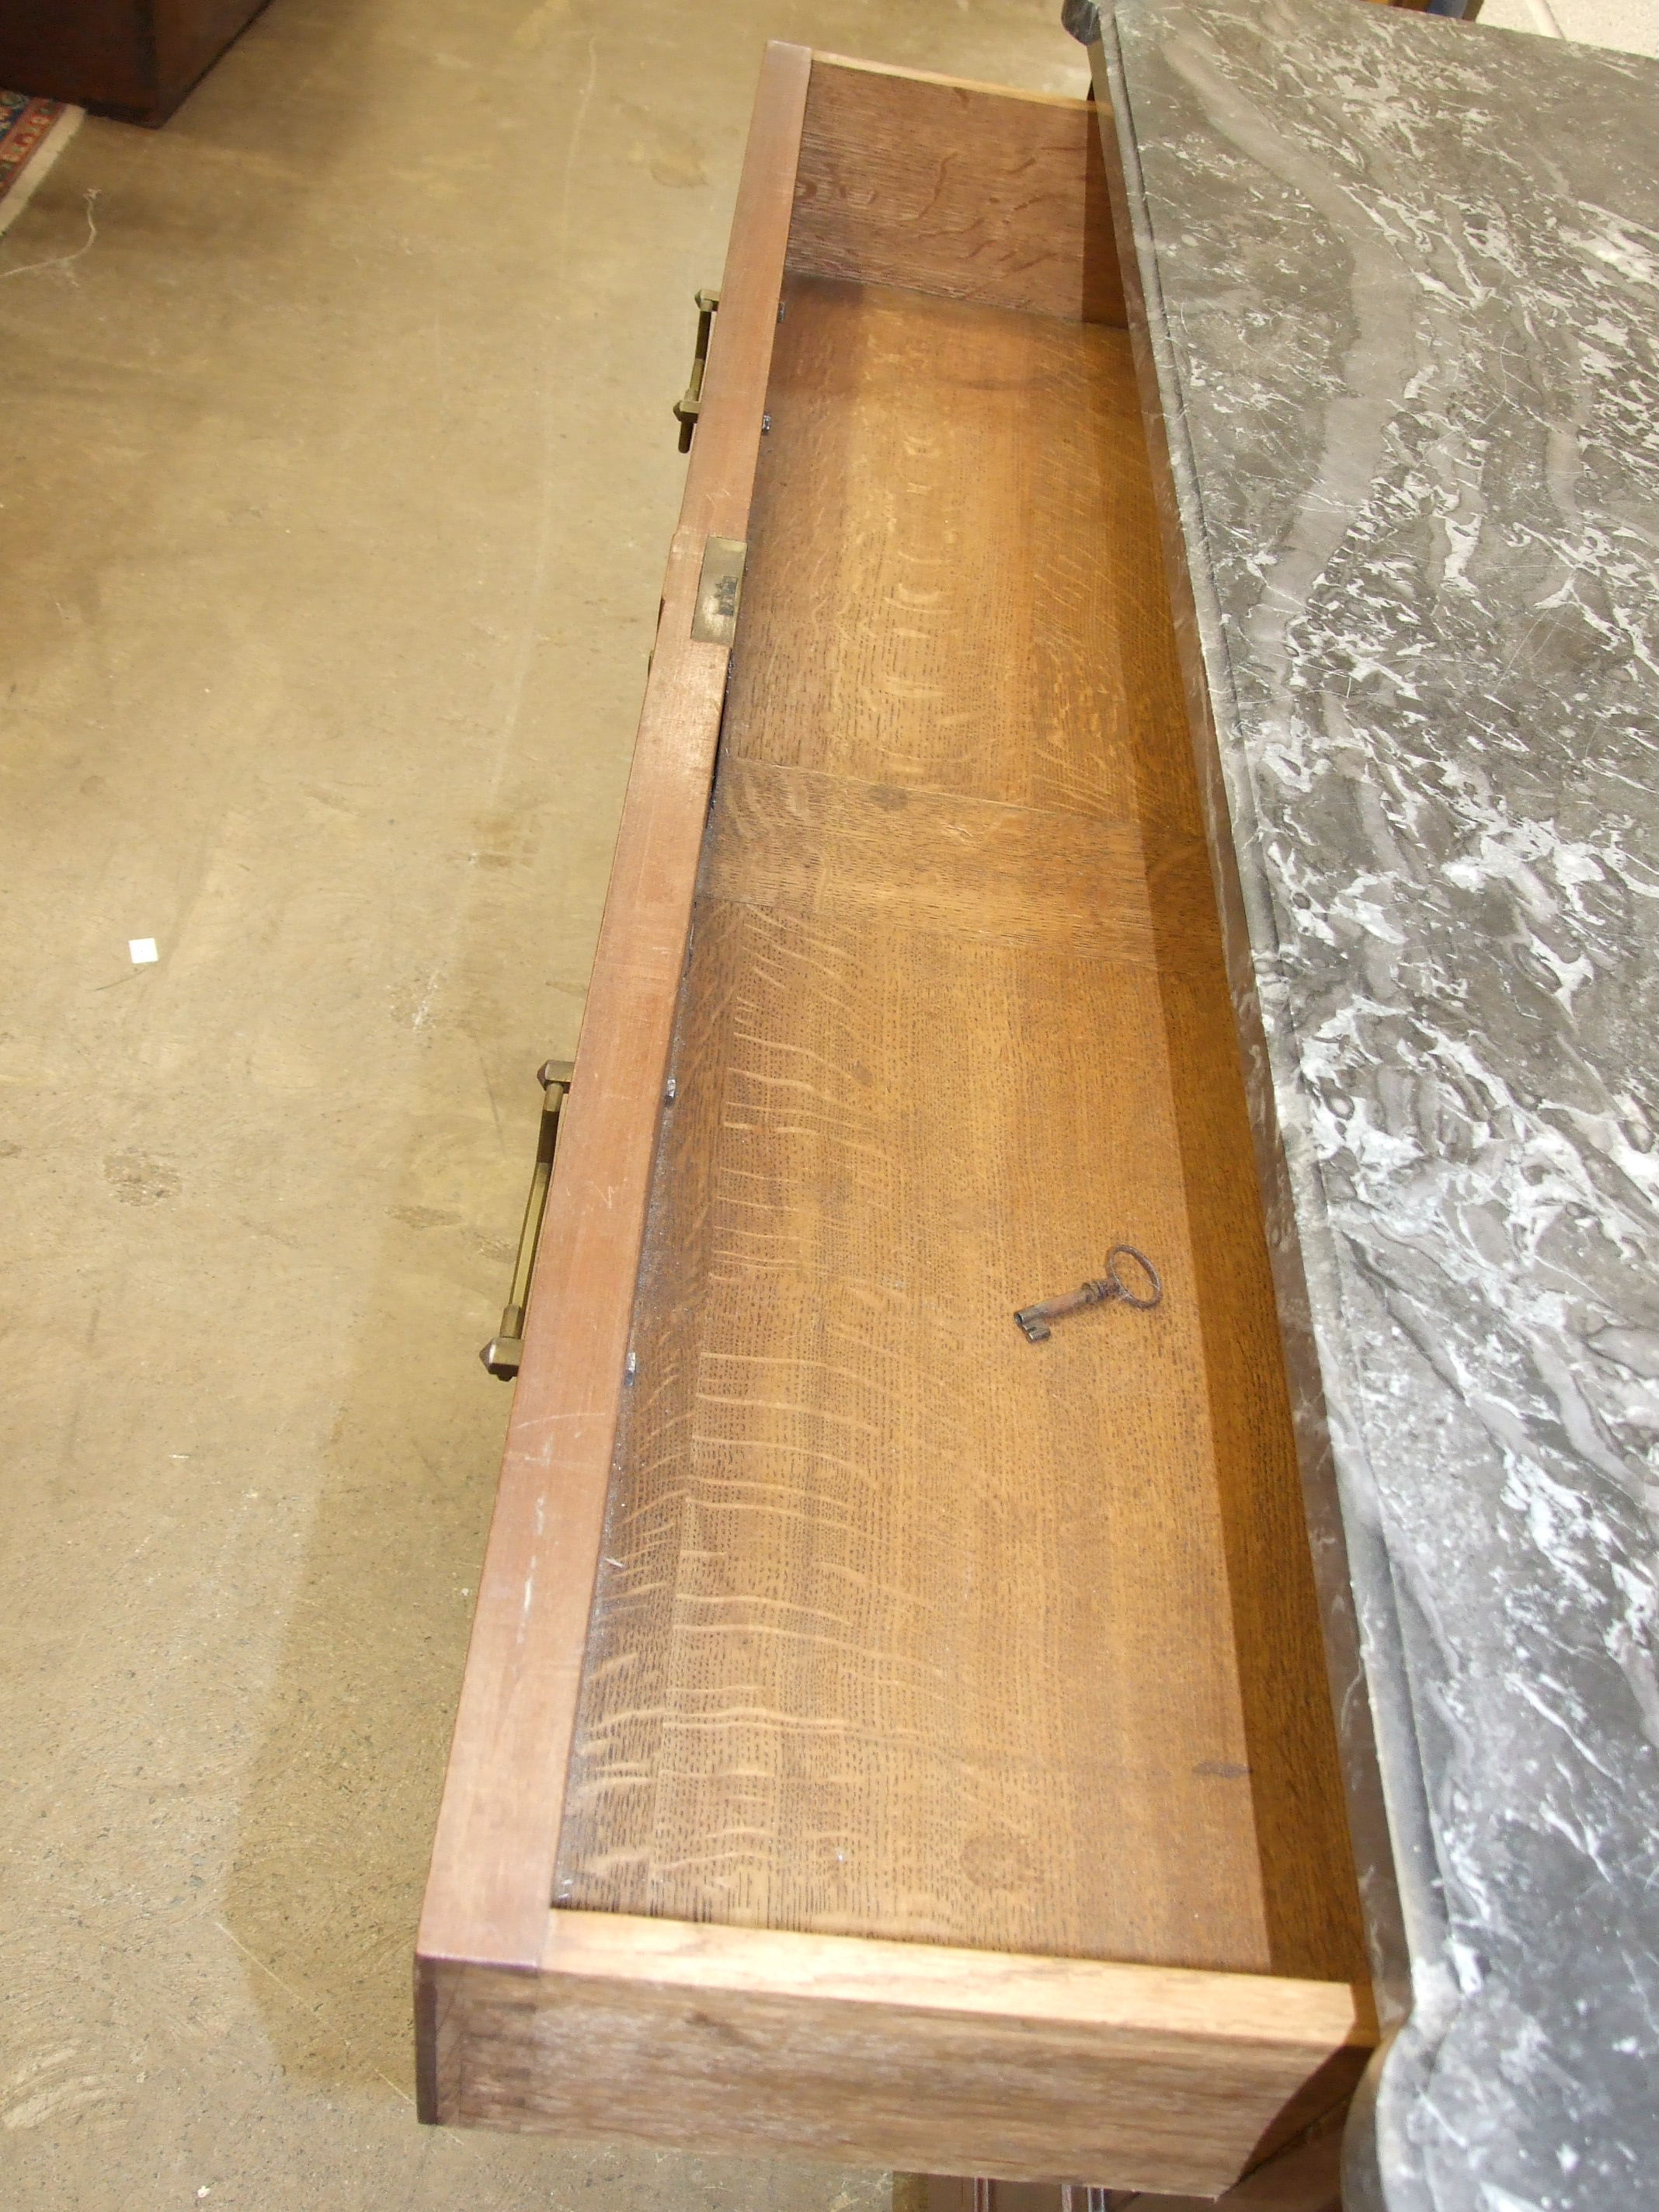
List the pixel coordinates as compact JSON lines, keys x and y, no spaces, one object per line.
{"x":971,"y":191}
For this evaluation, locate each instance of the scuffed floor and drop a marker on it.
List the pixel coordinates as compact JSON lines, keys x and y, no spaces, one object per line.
{"x":336,"y":478}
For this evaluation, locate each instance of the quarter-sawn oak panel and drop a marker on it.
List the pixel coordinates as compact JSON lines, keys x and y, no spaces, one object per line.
{"x":906,"y":1627}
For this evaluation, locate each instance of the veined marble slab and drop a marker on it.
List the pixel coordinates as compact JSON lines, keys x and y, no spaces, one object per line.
{"x":1400,"y":278}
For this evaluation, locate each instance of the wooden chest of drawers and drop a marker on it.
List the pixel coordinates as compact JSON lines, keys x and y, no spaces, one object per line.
{"x":133,"y":58}
{"x":885,"y":1738}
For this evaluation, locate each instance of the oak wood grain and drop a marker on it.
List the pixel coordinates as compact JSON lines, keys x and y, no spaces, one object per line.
{"x":907,"y":1627}
{"x":1296,"y":1528}
{"x":971,"y":602}
{"x":492,"y":1863}
{"x":876,"y":2054}
{"x":801,"y":841}
{"x":972,"y":192}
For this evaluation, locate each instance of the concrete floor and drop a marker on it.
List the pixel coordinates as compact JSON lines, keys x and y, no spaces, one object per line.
{"x":336,"y":477}
{"x":1629,"y":26}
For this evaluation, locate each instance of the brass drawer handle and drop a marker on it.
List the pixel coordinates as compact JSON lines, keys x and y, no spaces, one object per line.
{"x":504,"y":1352}
{"x":687,"y":410}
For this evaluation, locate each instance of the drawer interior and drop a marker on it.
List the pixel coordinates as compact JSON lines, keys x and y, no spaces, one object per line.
{"x":906,"y":1626}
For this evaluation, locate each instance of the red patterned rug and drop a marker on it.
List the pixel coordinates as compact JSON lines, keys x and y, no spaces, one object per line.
{"x":32,"y":134}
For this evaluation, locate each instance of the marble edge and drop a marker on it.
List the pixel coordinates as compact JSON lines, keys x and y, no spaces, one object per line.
{"x":1419,"y":1995}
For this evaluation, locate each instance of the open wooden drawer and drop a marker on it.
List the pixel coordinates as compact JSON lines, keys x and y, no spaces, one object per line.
{"x":884,"y":1738}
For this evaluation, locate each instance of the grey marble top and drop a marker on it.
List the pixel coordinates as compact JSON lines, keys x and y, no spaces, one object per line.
{"x":1400,"y":277}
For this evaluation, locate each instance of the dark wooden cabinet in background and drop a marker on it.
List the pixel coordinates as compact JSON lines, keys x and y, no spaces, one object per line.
{"x":132,"y":59}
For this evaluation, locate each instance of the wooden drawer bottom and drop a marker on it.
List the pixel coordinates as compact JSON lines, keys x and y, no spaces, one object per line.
{"x":906,"y":1626}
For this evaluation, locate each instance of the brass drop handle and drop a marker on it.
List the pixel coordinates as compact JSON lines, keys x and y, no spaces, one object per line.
{"x":687,"y":410}
{"x":504,"y":1351}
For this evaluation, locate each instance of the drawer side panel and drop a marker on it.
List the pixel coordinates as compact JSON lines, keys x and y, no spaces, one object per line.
{"x":492,"y":1865}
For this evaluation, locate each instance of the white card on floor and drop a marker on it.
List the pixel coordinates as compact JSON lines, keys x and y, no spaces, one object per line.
{"x":143,"y":950}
